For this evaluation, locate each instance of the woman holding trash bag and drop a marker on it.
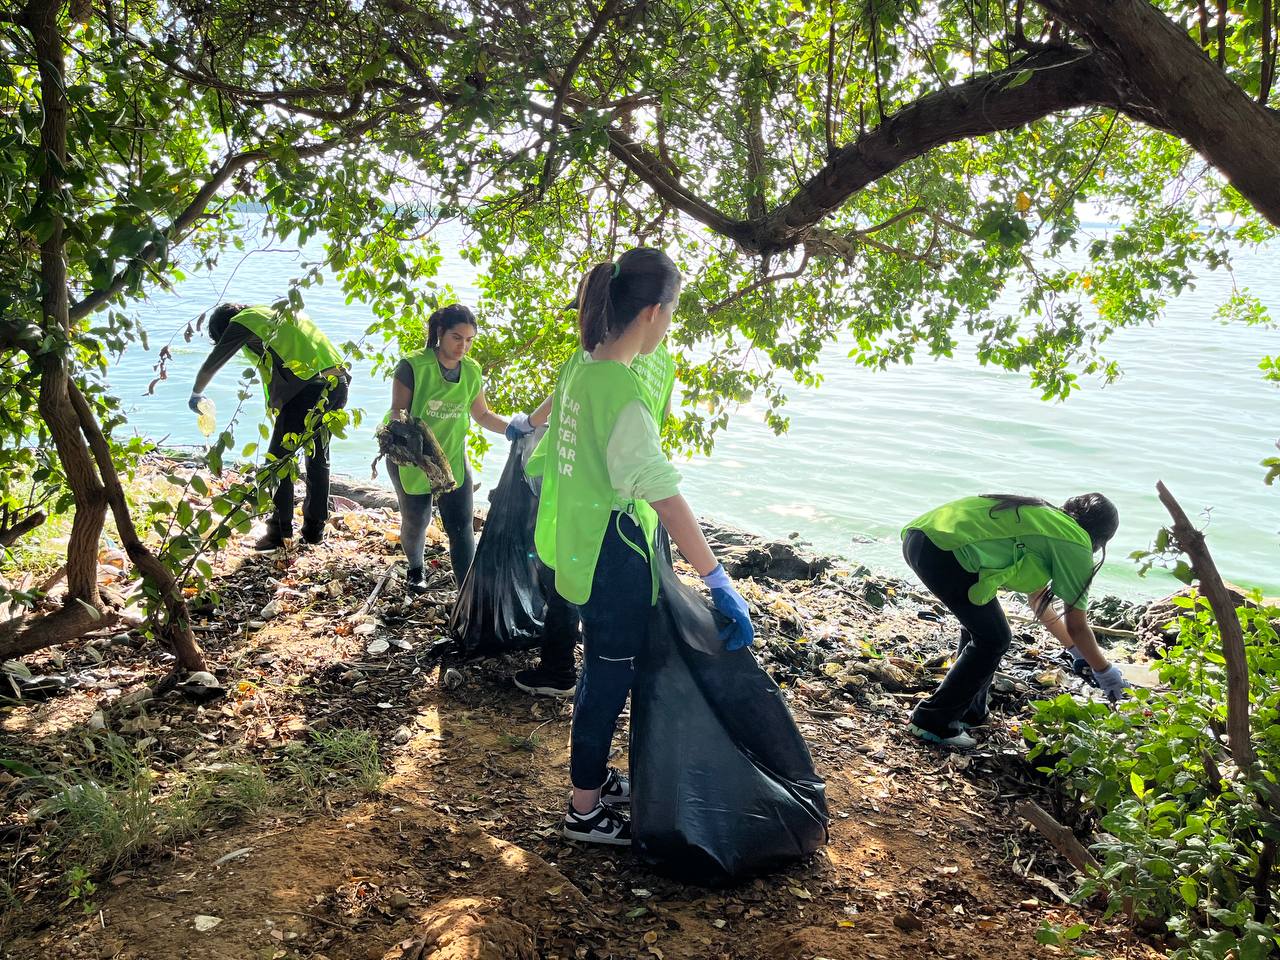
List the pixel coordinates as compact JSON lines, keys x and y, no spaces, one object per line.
{"x":967,"y":550}
{"x":442,"y":385}
{"x":605,"y":485}
{"x":556,"y":674}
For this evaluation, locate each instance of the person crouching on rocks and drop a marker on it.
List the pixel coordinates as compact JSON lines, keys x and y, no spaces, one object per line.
{"x":605,"y":485}
{"x":966,"y":551}
{"x":442,"y":386}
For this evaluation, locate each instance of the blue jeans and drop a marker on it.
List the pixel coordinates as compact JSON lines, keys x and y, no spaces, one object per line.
{"x":615,"y":625}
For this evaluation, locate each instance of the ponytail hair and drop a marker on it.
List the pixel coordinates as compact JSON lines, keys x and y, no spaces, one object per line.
{"x":612,"y":295}
{"x":1096,"y":515}
{"x":446,"y":318}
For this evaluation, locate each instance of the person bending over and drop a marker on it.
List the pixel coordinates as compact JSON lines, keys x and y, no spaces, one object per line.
{"x":301,"y":371}
{"x":968,"y":550}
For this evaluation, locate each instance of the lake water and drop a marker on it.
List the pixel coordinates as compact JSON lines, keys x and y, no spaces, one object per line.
{"x":869,"y":450}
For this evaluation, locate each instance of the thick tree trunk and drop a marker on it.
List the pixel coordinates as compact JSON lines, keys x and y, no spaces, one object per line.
{"x":83,"y":609}
{"x":175,"y":626}
{"x":1174,"y":78}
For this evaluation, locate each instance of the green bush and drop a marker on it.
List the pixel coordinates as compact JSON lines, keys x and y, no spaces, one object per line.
{"x":1185,"y":837}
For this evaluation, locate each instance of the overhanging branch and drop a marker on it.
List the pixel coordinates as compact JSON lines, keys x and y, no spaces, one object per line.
{"x":196,"y":208}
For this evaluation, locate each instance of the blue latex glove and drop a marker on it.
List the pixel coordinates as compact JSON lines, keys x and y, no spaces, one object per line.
{"x":193,"y":404}
{"x":1112,"y":683}
{"x":519,"y":427}
{"x":729,"y":602}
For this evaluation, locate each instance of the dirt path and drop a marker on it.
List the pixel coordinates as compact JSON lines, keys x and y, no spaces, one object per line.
{"x":456,"y":856}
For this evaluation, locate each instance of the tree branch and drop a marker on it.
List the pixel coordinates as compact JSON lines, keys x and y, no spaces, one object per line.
{"x":1047,"y":82}
{"x":607,"y":13}
{"x":196,"y":208}
{"x":762,"y":282}
{"x":9,"y":535}
{"x":1191,"y":542}
{"x":1196,"y":100}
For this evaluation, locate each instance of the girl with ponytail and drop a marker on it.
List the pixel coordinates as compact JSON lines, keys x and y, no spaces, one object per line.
{"x":968,"y":550}
{"x":606,"y":485}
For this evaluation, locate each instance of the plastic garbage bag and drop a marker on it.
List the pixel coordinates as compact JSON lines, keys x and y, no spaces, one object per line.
{"x":501,"y":605}
{"x":409,"y":442}
{"x":723,"y":787}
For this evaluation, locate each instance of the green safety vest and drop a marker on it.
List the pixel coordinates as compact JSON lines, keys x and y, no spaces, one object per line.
{"x":969,"y":529}
{"x":577,"y":496}
{"x":446,"y":409}
{"x":656,"y":373}
{"x":298,"y":342}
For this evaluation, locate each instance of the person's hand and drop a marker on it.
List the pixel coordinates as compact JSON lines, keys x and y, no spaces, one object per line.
{"x":1112,"y":683}
{"x":1080,"y":666}
{"x":519,"y":427}
{"x":193,"y":403}
{"x":729,"y":602}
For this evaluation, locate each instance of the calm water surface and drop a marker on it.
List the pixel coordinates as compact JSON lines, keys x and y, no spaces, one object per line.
{"x":869,"y":450}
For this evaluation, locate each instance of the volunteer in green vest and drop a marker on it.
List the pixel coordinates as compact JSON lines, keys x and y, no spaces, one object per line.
{"x":605,"y":486}
{"x":301,"y":371}
{"x":968,"y":550}
{"x":442,"y":385}
{"x":556,"y":674}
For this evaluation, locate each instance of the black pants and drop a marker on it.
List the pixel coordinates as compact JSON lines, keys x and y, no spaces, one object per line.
{"x":984,"y":638}
{"x":564,"y":623}
{"x":457,"y":512}
{"x":325,"y":394}
{"x":561,"y":632}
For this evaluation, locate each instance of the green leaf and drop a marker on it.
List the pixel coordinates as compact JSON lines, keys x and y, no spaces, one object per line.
{"x":1019,"y":79}
{"x":1138,"y":785}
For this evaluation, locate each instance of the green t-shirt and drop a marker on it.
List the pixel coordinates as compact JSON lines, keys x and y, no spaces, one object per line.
{"x":1021,"y":549}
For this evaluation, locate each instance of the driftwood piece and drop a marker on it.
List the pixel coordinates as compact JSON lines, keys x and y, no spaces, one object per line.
{"x":1060,"y":838}
{"x":1191,"y":542}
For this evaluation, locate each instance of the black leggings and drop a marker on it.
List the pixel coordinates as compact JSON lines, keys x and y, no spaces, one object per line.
{"x":326,"y":396}
{"x":456,"y":513}
{"x":984,"y":638}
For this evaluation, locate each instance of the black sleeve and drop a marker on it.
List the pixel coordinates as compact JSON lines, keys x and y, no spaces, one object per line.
{"x":233,"y":338}
{"x":404,"y":374}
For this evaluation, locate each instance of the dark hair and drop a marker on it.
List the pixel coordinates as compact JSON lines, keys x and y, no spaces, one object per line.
{"x":1096,"y":515}
{"x":611,"y":295}
{"x":445,"y":319}
{"x":220,"y":316}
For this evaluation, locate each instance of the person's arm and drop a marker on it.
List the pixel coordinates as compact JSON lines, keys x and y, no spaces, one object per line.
{"x":1082,"y":638}
{"x":1051,"y":618}
{"x":541,"y":416}
{"x":678,"y":518}
{"x":402,"y":390}
{"x":233,"y":338}
{"x":482,"y":415}
{"x":638,"y":469}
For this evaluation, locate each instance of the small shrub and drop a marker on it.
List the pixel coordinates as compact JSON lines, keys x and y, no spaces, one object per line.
{"x":1185,"y":837}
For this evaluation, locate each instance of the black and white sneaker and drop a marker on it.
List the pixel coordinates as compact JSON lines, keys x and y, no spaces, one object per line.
{"x":616,"y":791}
{"x":601,"y":825}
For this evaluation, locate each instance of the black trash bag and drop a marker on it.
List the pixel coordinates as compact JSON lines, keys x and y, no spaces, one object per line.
{"x":501,"y":605}
{"x":723,"y":784}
